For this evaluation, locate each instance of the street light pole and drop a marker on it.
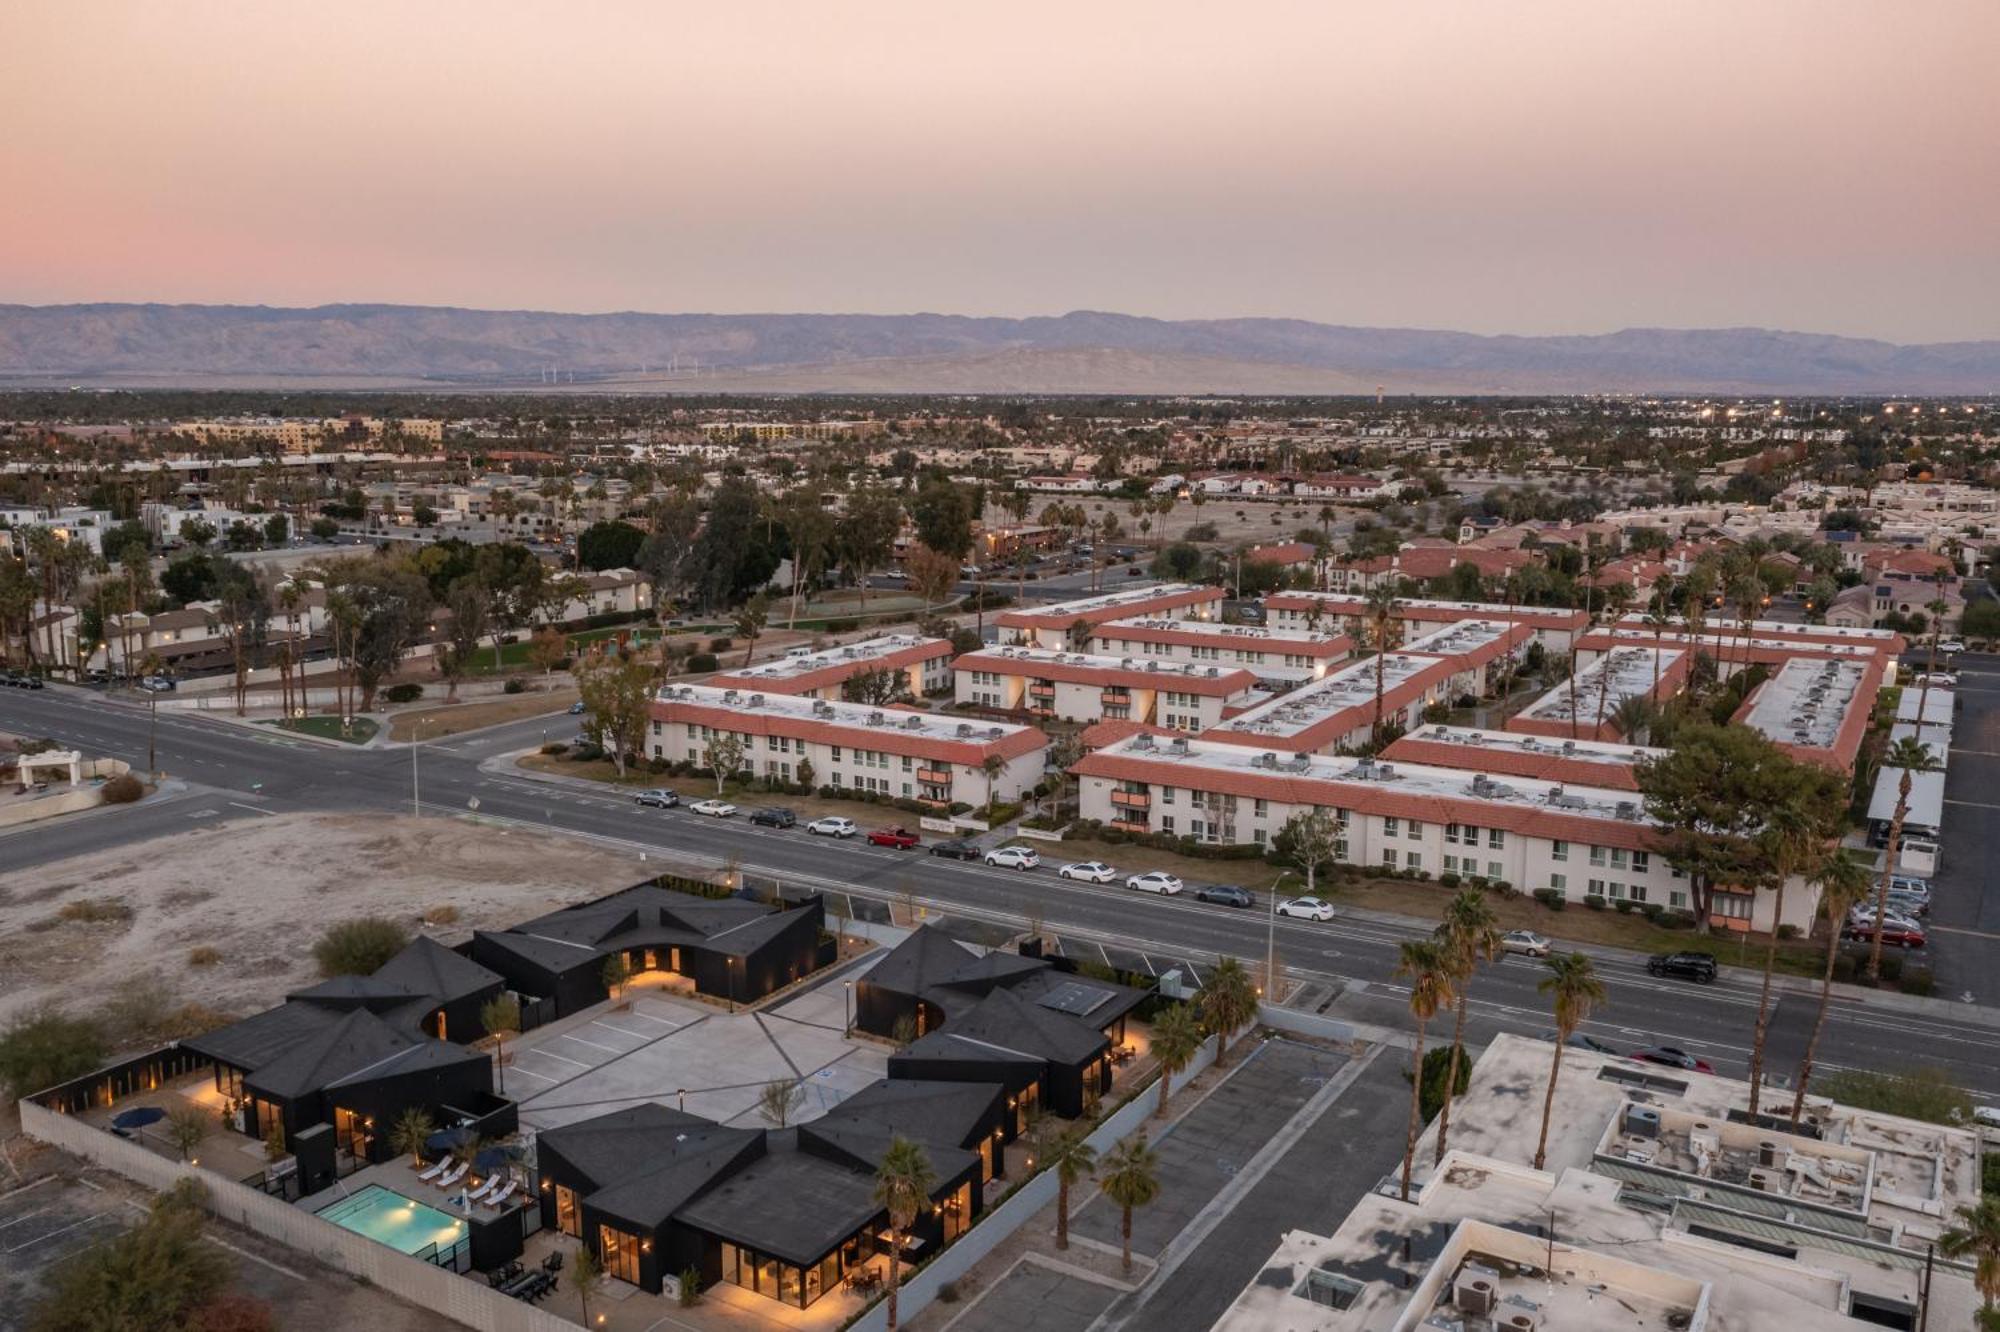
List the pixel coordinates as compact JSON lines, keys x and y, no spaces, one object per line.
{"x":1271,"y":948}
{"x":416,"y":741}
{"x":847,"y":1007}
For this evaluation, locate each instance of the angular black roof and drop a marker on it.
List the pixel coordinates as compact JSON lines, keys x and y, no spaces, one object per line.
{"x":1004,"y":1026}
{"x":436,"y":972}
{"x":928,"y":957}
{"x":947,"y":1113}
{"x":339,"y":1049}
{"x":648,"y":1161}
{"x":790,"y":1203}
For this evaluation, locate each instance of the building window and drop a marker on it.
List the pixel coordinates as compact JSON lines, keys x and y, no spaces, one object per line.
{"x":1730,"y":906}
{"x":1558,"y":850}
{"x":1392,"y":827}
{"x":1597,"y":855}
{"x":1451,"y":864}
{"x":1642,"y":862}
{"x":1416,"y":828}
{"x":621,"y":1254}
{"x":1618,"y":857}
{"x":1495,"y":839}
{"x":1413,"y":860}
{"x":1495,"y":870}
{"x":1389,"y":857}
{"x":566,"y":1214}
{"x":1560,"y":882}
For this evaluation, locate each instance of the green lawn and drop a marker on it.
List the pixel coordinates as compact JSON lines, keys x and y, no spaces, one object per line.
{"x":328,"y":728}
{"x":514,"y":656}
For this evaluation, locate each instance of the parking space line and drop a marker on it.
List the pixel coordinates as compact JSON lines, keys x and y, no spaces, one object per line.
{"x":531,"y":1073}
{"x":612,"y":1026}
{"x":565,"y":1059}
{"x":665,"y":1022}
{"x":608,"y":1049}
{"x":23,"y":1217}
{"x":42,"y":1239}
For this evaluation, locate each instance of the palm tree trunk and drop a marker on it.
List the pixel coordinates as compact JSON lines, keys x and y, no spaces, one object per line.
{"x":1451,"y":1075}
{"x":895,"y":1272}
{"x":1548,"y":1104}
{"x":1416,"y":1090}
{"x":1166,"y":1076}
{"x":1062,"y":1211}
{"x":1764,"y":1003}
{"x":1888,"y":868}
{"x":1819,"y":1021}
{"x":1125,"y":1237}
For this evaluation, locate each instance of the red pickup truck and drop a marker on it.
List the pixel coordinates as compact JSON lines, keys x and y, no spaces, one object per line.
{"x":900,"y":838}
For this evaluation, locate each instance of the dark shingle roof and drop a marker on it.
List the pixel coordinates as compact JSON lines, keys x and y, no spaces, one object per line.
{"x":788,"y":1203}
{"x":428,"y":968}
{"x":948,"y":1113}
{"x":353,"y":1041}
{"x":929,"y":957}
{"x":1004,"y":1025}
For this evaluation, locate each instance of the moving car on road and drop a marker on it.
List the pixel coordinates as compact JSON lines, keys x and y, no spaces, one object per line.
{"x":576,"y":708}
{"x":959,"y":848}
{"x":1673,"y":1058}
{"x":1697,"y":967}
{"x":658,"y":799}
{"x":1306,"y":908}
{"x":1014,"y":857}
{"x":774,"y":816}
{"x":1525,"y":942}
{"x":1088,"y":871}
{"x":1154,"y":881}
{"x":832,"y":826}
{"x":1225,"y":894}
{"x":901,"y":839}
{"x":714,"y":809}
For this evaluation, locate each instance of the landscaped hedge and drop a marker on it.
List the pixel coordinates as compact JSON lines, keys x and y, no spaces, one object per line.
{"x":1185,"y":846}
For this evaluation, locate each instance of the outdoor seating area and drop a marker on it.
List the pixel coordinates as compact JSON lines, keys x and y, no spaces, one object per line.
{"x":518,"y":1281}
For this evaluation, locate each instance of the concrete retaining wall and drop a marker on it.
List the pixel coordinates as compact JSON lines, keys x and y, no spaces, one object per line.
{"x":465,"y":1300}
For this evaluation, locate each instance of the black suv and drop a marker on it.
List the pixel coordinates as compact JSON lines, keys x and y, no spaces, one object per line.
{"x":775,"y":817}
{"x":1224,"y":893}
{"x":1698,"y":967}
{"x":962,"y":849}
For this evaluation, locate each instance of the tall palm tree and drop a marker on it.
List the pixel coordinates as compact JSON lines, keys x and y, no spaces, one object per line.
{"x":1071,"y":1156}
{"x":1228,"y":1002}
{"x":1978,"y":1234}
{"x":1379,"y":609}
{"x":1176,"y":1038}
{"x":1130,"y":1177}
{"x":1470,"y":934}
{"x":1843,"y":883}
{"x":1426,"y":966}
{"x":1659,"y":618}
{"x":1574,"y":989}
{"x":903,"y":1184}
{"x":1794,"y":832}
{"x":1912,"y":756}
{"x":1747,"y":593}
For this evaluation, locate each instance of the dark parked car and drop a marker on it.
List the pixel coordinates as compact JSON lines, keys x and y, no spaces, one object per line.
{"x":1224,"y":894}
{"x":1697,"y":967}
{"x":777,"y":816}
{"x":658,"y":799}
{"x":961,"y":849}
{"x":1673,"y":1058}
{"x":1583,"y":1042}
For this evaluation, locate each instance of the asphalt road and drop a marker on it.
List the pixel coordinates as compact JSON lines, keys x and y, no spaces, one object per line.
{"x":233,"y":772}
{"x":1964,"y":927}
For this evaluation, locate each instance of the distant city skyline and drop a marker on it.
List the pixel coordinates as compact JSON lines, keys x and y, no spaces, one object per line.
{"x":1548,"y":167}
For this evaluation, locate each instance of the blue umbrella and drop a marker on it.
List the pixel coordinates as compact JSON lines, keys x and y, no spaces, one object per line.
{"x":138,"y":1117}
{"x":446,"y":1139}
{"x":490,"y":1158}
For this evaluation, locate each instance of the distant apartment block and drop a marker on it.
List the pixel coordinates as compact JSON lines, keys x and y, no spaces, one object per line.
{"x":1289,"y":656}
{"x":1050,"y":626}
{"x":1078,"y":687}
{"x":920,"y":666}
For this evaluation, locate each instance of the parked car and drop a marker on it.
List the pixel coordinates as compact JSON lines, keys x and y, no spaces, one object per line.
{"x":1581,"y":1042}
{"x":27,"y":681}
{"x":774,"y":816}
{"x":1673,"y":1058}
{"x":1225,"y":894}
{"x":1697,"y":967}
{"x":1154,"y":881}
{"x":832,"y":826}
{"x":1865,"y":916}
{"x":660,"y":798}
{"x":1526,"y":942}
{"x":714,"y":809}
{"x":1014,"y":857}
{"x":1088,"y":871}
{"x":1306,"y":908}
{"x":1895,"y":932}
{"x":1986,"y":1116}
{"x":1951,"y":645}
{"x":798,"y":652}
{"x":157,"y":684}
{"x":576,"y":708}
{"x":960,"y":848}
{"x":901,"y":839}
{"x":1915,"y":906}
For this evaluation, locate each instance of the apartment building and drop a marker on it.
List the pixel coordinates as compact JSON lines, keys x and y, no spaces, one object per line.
{"x":70,"y":525}
{"x":1585,"y":707}
{"x":919,"y":666}
{"x":1341,"y":711}
{"x":1504,"y":754}
{"x":1079,"y":687}
{"x":1729,"y":651}
{"x":1880,"y":640}
{"x":915,"y":755}
{"x":1816,"y":710}
{"x":1556,"y":627}
{"x":1530,"y":832}
{"x":1660,"y":1208}
{"x":612,"y":592}
{"x":1481,"y":652}
{"x":1051,"y":626}
{"x":1285,"y":656}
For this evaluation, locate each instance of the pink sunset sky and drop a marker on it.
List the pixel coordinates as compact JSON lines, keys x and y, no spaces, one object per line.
{"x":1535,"y":167}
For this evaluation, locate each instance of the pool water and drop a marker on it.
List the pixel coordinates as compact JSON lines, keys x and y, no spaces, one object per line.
{"x":387,"y":1217}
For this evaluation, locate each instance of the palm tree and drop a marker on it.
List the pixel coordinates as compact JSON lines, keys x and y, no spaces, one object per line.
{"x":1469,"y":935}
{"x":1843,"y":883}
{"x":501,"y":1017}
{"x":992,"y":765}
{"x":1978,"y":1234}
{"x":1659,"y":618}
{"x":1130,"y":1177}
{"x":1912,"y":756}
{"x":1793,"y":832}
{"x":1573,"y":986}
{"x":903,"y":1184}
{"x":1228,"y":1002}
{"x":1176,"y":1038}
{"x":1379,"y":609}
{"x":1071,"y":1156}
{"x":1426,"y":966}
{"x":410,"y":1132}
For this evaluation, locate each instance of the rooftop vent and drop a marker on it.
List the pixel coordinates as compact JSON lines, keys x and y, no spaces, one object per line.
{"x":964,"y":730}
{"x":1142,"y":741}
{"x":756,"y":700}
{"x":914,"y":724}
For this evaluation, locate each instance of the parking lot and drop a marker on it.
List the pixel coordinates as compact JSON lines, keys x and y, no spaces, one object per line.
{"x":1965,"y":913}
{"x":41,"y":1223}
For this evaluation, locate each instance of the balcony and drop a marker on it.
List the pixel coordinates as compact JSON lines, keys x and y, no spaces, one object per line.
{"x":934,"y":776}
{"x":1047,"y":691}
{"x":1136,"y":824}
{"x":1117,"y":698}
{"x":1132,"y":799}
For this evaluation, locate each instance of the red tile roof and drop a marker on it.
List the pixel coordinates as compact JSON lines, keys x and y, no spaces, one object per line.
{"x":1224,"y":682}
{"x":886,"y":739}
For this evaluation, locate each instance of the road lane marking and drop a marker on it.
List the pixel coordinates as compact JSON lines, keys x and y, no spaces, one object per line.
{"x":269,"y":814}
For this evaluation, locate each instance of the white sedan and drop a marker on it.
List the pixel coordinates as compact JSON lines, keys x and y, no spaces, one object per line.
{"x":1015,"y":857}
{"x":1306,"y":908}
{"x":1154,"y":881}
{"x":1088,"y":871}
{"x":1526,"y":942}
{"x":832,"y":826}
{"x":715,"y":809}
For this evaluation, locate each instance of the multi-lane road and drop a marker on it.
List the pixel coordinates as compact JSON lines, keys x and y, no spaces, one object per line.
{"x":224,"y":771}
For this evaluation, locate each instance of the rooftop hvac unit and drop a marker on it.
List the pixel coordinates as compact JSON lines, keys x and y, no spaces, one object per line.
{"x":1265,"y":760}
{"x":1142,"y":741}
{"x":1642,"y":1121}
{"x":1177,"y":746}
{"x":1516,"y":1314}
{"x":1773,"y":1154}
{"x":1438,"y":1322}
{"x":964,"y":731}
{"x":1764,"y":1181}
{"x":1475,"y":1290}
{"x":729,"y":696}
{"x":914,"y":724}
{"x":1628,"y":809}
{"x":756,"y":700}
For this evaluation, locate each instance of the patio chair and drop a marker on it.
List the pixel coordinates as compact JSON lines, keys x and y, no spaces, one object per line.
{"x":434,"y":1169}
{"x":553,"y":1263}
{"x":484,"y":1191}
{"x":452,"y":1176}
{"x":498,"y":1198}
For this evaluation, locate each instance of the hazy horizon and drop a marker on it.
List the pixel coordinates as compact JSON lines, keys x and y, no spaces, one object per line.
{"x":1555,"y":167}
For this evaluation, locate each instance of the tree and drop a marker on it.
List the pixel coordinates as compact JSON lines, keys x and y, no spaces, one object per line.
{"x":1379,"y":610}
{"x":1180,"y":562}
{"x":1795,"y":833}
{"x":187,"y":1125}
{"x":992,"y":766}
{"x":725,"y":756}
{"x":1912,"y":756}
{"x":1177,"y":1038}
{"x":943,"y":516}
{"x":903,"y":1183}
{"x":196,"y":532}
{"x":665,"y":555}
{"x":1468,"y":936}
{"x":501,"y":1017}
{"x":932,"y":574}
{"x":188,"y":578}
{"x":867,"y":535}
{"x":386,"y":605}
{"x":146,"y":1279}
{"x":358,"y":947}
{"x":810,"y":529}
{"x":1843,"y":884}
{"x":879,"y":687}
{"x":1309,"y":840}
{"x":411,"y":1133}
{"x":546,"y":650}
{"x":1977,"y":1235}
{"x":608,"y":545}
{"x":750,"y":621}
{"x":513,"y":579}
{"x":616,"y":974}
{"x":1068,"y":1152}
{"x":467,"y":629}
{"x":277,"y":530}
{"x":1130,"y":1177}
{"x":779,"y":1100}
{"x":617,"y":695}
{"x":1424,"y":964}
{"x":586,"y":1275}
{"x":1228,"y":1002}
{"x":1574,"y":990}
{"x":1709,"y":793}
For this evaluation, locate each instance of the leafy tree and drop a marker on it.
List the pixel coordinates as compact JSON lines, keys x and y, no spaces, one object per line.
{"x":1433,"y":1091}
{"x":1468,"y":936}
{"x":903,"y":1184}
{"x":1710,"y":793}
{"x":609,"y":545}
{"x":878,"y":687}
{"x":196,"y":532}
{"x":1130,"y":1177}
{"x":120,"y":538}
{"x":725,"y":757}
{"x":324,"y":529}
{"x":1177,"y":1039}
{"x":189,"y":577}
{"x":386,"y":608}
{"x":44,"y":1047}
{"x":867,"y":535}
{"x":547,"y":649}
{"x":617,"y":693}
{"x":277,"y":530}
{"x":358,"y":947}
{"x":513,"y":579}
{"x":750,"y":621}
{"x":1427,"y":967}
{"x":1574,"y":990}
{"x":586,"y":1276}
{"x":466,"y":630}
{"x":411,"y":1133}
{"x":147,"y":1279}
{"x":731,"y":557}
{"x":932,"y":574}
{"x":942,"y":512}
{"x":666,"y":555}
{"x":187,"y":1125}
{"x":1228,"y":1002}
{"x":1308,"y":840}
{"x":779,"y":1100}
{"x":616,"y":974}
{"x":1180,"y":562}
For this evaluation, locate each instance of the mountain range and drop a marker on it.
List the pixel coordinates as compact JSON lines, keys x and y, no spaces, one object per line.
{"x":437,"y":347}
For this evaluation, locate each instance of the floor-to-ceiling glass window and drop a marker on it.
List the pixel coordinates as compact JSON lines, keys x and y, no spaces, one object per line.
{"x":621,"y":1254}
{"x":957,"y":1212}
{"x":567,"y":1220}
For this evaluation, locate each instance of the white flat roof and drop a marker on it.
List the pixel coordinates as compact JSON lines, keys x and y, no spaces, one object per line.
{"x":1936,"y":703}
{"x":1349,"y":687}
{"x":1252,"y":633}
{"x":1631,"y":673}
{"x":934,"y":726}
{"x":1130,"y":596}
{"x":1505,"y":742}
{"x":1926,"y":798}
{"x":1459,"y":636}
{"x":1806,"y":701}
{"x":1029,"y":658}
{"x":1720,"y":643}
{"x":1829,"y":631}
{"x":873,"y":649}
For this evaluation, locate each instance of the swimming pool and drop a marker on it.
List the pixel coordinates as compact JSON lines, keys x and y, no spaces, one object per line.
{"x":405,"y":1225}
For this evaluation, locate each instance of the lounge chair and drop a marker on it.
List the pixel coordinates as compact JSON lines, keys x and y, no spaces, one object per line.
{"x":434,"y":1169}
{"x":484,"y":1191}
{"x":452,"y":1176}
{"x":498,"y":1198}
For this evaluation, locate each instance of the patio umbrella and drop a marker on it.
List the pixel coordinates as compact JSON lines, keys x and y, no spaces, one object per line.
{"x":446,"y":1139}
{"x":138,"y":1117}
{"x":489,"y":1158}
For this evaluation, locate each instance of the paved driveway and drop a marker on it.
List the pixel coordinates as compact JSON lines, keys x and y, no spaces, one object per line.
{"x":1037,"y":1297}
{"x":1965,"y":919}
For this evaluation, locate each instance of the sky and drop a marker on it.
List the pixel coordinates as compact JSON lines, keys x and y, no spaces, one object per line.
{"x":1539,"y":166}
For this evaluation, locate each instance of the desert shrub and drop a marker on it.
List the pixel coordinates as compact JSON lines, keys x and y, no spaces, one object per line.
{"x":203,"y":956}
{"x":96,"y":911}
{"x":233,"y":1311}
{"x":408,"y":692}
{"x":846,"y":624}
{"x":45,"y":1046}
{"x":1678,"y":920}
{"x":1436,"y":1061}
{"x":690,"y":1294}
{"x":357,"y":947}
{"x":515,"y":685}
{"x":156,"y":1275}
{"x":1623,"y":905}
{"x":722,"y":644}
{"x":701,"y":662}
{"x":1652,"y":911}
{"x":1788,"y":931}
{"x":948,"y":1293}
{"x":122,"y":790}
{"x":1448,"y":879}
{"x":441,"y":915}
{"x":1550,"y":897}
{"x":554,"y":747}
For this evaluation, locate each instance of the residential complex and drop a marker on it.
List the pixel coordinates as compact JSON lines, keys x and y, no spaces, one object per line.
{"x":918,"y":667}
{"x":1056,"y":626}
{"x":1078,"y":687}
{"x":1555,"y":628}
{"x":1586,"y":706}
{"x":1281,"y":656}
